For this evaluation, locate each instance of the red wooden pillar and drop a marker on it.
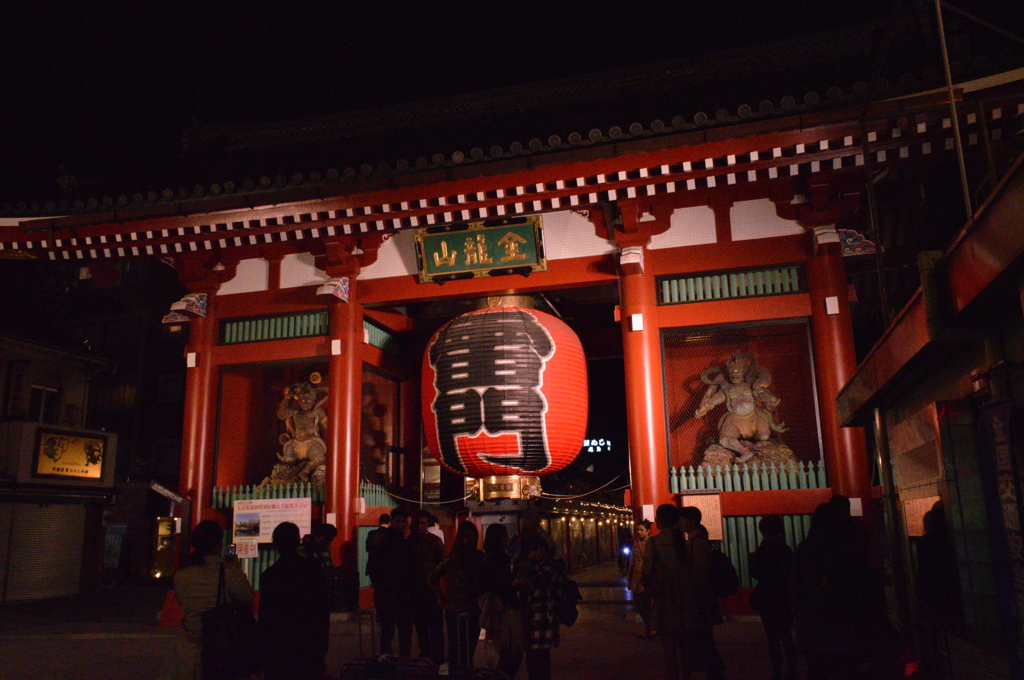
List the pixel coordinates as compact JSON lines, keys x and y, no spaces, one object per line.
{"x":200,"y":420}
{"x":835,"y":362}
{"x":345,"y":383}
{"x":645,"y":395}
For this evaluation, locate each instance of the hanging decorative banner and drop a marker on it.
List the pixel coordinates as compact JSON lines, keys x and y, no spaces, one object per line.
{"x":504,"y":393}
{"x":465,"y":250}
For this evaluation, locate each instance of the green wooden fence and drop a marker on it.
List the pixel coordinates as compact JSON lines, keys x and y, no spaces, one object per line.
{"x":224,"y":496}
{"x":740,"y":534}
{"x":749,"y":477}
{"x":376,"y":495}
{"x":276,"y":327}
{"x":674,"y":290}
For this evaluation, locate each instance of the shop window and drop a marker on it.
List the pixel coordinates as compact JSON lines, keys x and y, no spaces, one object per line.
{"x":17,"y":377}
{"x":781,"y":348}
{"x":42,"y":404}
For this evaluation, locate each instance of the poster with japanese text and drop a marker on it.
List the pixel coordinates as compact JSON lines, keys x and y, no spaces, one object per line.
{"x":710,"y":505}
{"x":255,"y":520}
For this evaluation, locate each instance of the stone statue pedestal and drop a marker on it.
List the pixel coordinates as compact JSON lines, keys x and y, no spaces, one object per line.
{"x":764,"y":453}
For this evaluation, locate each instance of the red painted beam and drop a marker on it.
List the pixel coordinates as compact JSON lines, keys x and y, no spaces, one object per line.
{"x":711,"y":257}
{"x":275,"y":350}
{"x":793,"y":306}
{"x":784,"y":502}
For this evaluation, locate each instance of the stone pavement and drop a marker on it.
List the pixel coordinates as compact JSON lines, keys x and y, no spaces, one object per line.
{"x":113,"y":636}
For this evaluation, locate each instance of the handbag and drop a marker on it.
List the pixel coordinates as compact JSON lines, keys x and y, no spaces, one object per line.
{"x":230,"y":643}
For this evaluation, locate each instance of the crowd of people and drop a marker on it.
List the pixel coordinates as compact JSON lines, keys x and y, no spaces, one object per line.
{"x":294,"y":606}
{"x":822,"y":599}
{"x":825,"y":591}
{"x":510,"y":589}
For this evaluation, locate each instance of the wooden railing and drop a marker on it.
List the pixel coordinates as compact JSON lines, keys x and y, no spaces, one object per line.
{"x":749,"y":477}
{"x":224,"y":496}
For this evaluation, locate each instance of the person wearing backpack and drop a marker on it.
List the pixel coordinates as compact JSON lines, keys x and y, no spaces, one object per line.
{"x":540,"y":579}
{"x":699,"y":564}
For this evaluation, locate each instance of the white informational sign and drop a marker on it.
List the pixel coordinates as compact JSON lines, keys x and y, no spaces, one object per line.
{"x":247,"y":550}
{"x":255,"y":520}
{"x":710,"y":505}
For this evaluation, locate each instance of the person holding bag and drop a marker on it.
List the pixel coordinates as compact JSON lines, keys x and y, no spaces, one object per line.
{"x":198,"y":587}
{"x":500,"y":609}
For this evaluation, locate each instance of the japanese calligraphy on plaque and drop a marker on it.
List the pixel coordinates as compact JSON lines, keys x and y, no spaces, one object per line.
{"x":61,"y":453}
{"x":469,"y":249}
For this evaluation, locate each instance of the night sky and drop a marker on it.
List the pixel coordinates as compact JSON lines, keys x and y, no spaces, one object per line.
{"x":94,"y":84}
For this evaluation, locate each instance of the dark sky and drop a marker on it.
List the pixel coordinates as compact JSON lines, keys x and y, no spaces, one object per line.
{"x":121,"y":80}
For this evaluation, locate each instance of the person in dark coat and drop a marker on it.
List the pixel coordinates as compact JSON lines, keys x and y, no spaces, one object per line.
{"x":698,"y":552}
{"x":372,"y":539}
{"x":772,"y":565}
{"x":666,"y":577}
{"x":427,"y":552}
{"x":829,"y":594}
{"x":506,"y":627}
{"x":294,"y":612}
{"x":392,"y":580}
{"x":457,"y":582}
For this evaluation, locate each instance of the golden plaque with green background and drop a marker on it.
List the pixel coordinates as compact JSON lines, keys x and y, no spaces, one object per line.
{"x":465,"y":250}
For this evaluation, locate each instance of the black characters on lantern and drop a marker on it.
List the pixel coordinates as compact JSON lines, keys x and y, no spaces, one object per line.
{"x":487,"y":373}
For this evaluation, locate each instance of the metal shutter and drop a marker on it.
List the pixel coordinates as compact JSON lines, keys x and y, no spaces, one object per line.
{"x":44,"y":551}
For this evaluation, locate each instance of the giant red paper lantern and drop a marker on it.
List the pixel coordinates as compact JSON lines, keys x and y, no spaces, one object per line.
{"x":504,"y":393}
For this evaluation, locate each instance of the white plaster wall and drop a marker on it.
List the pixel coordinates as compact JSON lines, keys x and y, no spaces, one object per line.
{"x":568,"y":235}
{"x":299,"y":269}
{"x":396,"y":257}
{"x":687,"y":227}
{"x":758,"y":219}
{"x":251,"y":276}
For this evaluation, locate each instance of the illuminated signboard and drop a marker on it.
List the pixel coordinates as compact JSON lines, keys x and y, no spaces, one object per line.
{"x":470,"y":249}
{"x":62,"y":453}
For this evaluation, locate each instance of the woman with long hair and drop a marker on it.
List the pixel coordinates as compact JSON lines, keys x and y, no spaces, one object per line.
{"x":458,"y":583}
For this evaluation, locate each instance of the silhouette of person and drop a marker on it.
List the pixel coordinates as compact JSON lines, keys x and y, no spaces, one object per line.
{"x":698,"y":552}
{"x":772,"y":565}
{"x":427,"y":552}
{"x":458,"y":582}
{"x":294,"y":611}
{"x":391,"y":575}
{"x":674,"y":612}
